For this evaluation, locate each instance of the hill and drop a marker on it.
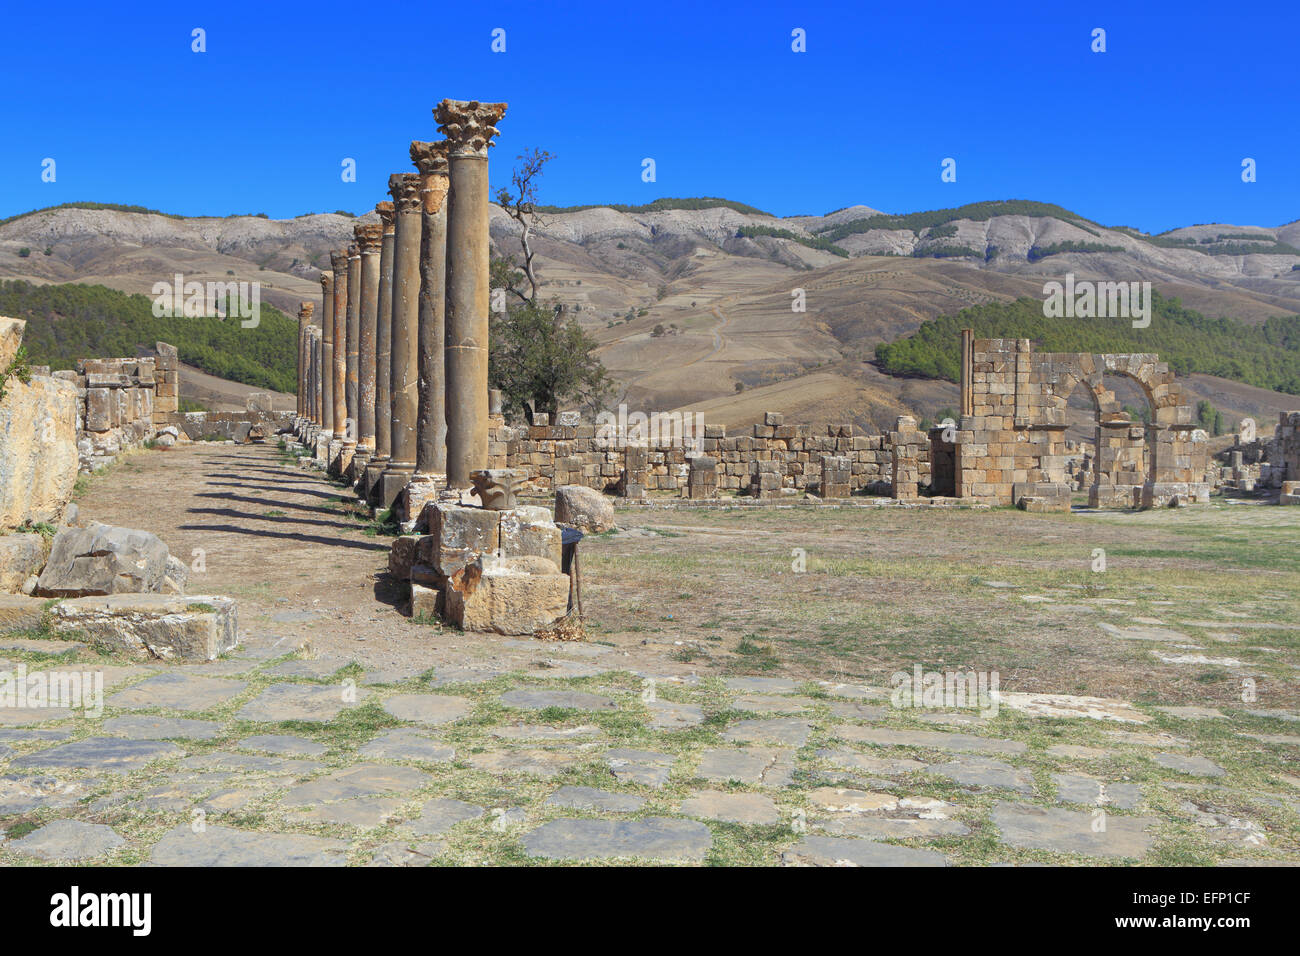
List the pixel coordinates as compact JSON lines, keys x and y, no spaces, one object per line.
{"x":70,"y":322}
{"x":719,"y":275}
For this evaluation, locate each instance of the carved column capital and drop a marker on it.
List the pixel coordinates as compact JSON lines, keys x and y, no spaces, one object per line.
{"x":354,"y":250}
{"x":370,"y":236}
{"x":431,"y":160}
{"x":405,"y":190}
{"x":468,"y":125}
{"x":305,"y":310}
{"x":339,"y":260}
{"x":327,"y":279}
{"x":387,"y":216}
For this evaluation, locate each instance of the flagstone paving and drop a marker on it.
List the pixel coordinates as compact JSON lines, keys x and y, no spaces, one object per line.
{"x":299,"y":765}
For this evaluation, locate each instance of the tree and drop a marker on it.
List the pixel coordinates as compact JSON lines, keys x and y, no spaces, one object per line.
{"x":520,"y":204}
{"x":537,"y":356}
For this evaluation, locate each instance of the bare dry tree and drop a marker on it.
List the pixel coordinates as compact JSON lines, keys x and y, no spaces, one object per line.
{"x":520,"y":203}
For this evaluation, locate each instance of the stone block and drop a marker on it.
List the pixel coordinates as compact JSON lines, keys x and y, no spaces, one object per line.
{"x":100,"y":559}
{"x":426,"y":602}
{"x":460,"y":535}
{"x":529,"y":531}
{"x":583,"y":508}
{"x":162,"y":626}
{"x":21,"y":556}
{"x":508,"y":596}
{"x":402,"y":556}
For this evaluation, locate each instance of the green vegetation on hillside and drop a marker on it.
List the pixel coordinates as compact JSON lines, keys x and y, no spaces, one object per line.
{"x":1267,"y":356}
{"x":749,"y":232}
{"x":1056,"y":248}
{"x":70,"y":322}
{"x":663,"y":205}
{"x":976,"y":211}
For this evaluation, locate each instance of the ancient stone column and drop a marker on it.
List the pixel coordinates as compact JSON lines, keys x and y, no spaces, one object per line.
{"x":305,"y":310}
{"x":326,"y":419}
{"x":370,"y":238}
{"x":383,"y":356}
{"x":405,"y":380}
{"x":431,"y":432}
{"x":352,"y":377}
{"x":469,"y":128}
{"x":340,"y":358}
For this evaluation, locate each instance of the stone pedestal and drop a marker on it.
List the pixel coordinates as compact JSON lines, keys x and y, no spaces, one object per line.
{"x":469,"y":128}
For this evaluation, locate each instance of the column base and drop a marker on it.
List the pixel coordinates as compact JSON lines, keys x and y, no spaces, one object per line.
{"x":322,"y":443}
{"x":368,"y":479}
{"x":420,"y":490}
{"x":360,"y":458}
{"x":388,"y":489}
{"x":341,"y":461}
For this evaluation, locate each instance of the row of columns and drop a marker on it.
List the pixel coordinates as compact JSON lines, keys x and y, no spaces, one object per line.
{"x":393,"y":375}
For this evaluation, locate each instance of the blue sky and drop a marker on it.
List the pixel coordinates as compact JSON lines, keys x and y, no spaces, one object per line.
{"x":1149,"y":134}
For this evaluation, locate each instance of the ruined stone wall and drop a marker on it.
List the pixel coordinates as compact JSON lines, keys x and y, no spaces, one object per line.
{"x":38,"y":450}
{"x":1011,"y":444}
{"x":115,"y":407}
{"x":555,"y":455}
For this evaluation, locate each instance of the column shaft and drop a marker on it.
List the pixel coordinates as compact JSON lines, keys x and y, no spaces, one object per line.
{"x":352,"y":332}
{"x":339,"y":359}
{"x":370,"y":239}
{"x":406,"y":329}
{"x":327,"y":353}
{"x":467,"y":319}
{"x":384,"y":342}
{"x":469,"y":128}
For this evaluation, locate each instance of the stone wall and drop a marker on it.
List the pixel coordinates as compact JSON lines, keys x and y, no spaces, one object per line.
{"x":38,"y":441}
{"x":115,"y":407}
{"x":578,"y":454}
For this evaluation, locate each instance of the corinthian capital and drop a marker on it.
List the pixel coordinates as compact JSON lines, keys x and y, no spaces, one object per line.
{"x":339,"y":260}
{"x":431,"y":160}
{"x":305,"y":310}
{"x":405,"y":190}
{"x":327,"y":279}
{"x":387,"y":215}
{"x":370,"y":236}
{"x":469,"y":126}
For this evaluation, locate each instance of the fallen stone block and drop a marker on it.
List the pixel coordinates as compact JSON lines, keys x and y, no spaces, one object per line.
{"x":583,"y":508}
{"x":163,"y":626}
{"x":21,"y":556}
{"x":507,"y":595}
{"x":101,"y":559}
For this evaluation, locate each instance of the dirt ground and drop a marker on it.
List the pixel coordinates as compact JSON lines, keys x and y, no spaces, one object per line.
{"x":854,"y":593}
